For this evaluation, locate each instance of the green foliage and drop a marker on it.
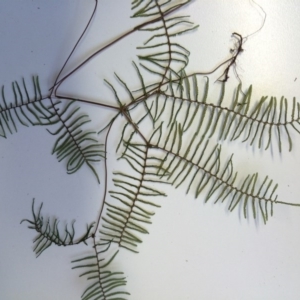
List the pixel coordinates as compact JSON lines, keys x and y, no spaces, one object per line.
{"x":74,"y":143}
{"x":135,"y":194}
{"x":163,"y":55}
{"x":106,"y":284}
{"x":264,"y":121}
{"x":165,"y":139}
{"x":24,"y":110}
{"x":49,"y":232}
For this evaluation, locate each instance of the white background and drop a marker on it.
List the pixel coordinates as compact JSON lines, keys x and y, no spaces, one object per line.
{"x":194,"y":250}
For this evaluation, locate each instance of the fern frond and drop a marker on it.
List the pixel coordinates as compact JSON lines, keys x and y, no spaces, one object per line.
{"x":163,"y":55}
{"x":24,"y":110}
{"x":49,"y":233}
{"x":190,"y":162}
{"x":266,"y":121}
{"x":105,"y":283}
{"x":134,"y":194}
{"x":73,"y":143}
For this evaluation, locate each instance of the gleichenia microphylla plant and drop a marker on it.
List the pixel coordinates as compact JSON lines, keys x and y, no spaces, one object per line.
{"x":171,"y":133}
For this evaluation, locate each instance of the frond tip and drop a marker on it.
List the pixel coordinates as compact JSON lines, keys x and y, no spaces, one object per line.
{"x":49,"y":233}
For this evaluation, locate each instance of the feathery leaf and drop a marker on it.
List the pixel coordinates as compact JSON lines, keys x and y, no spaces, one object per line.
{"x":123,"y":221}
{"x":49,"y":232}
{"x":105,"y":283}
{"x":24,"y":110}
{"x":73,"y":143}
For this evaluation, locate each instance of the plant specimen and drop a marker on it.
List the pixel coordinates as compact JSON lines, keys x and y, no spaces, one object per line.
{"x":169,"y":132}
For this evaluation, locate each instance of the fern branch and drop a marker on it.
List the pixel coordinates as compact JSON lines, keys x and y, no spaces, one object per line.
{"x":24,"y":110}
{"x":49,"y":233}
{"x":123,"y":221}
{"x":201,"y":173}
{"x":78,"y":147}
{"x":106,"y":284}
{"x":188,"y":161}
{"x":167,"y":57}
{"x":260,"y":125}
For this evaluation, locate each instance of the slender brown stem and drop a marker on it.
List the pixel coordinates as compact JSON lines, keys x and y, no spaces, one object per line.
{"x":81,"y":36}
{"x":287,"y":203}
{"x":105,"y":178}
{"x":87,"y":101}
